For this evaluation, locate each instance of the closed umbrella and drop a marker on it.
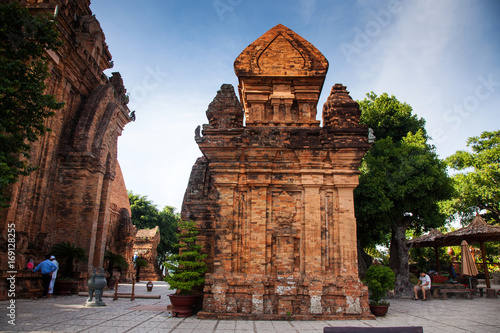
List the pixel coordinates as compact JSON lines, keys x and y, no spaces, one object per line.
{"x":468,"y":267}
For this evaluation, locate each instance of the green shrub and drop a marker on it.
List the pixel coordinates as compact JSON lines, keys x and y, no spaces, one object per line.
{"x":380,"y":279}
{"x":188,"y":267}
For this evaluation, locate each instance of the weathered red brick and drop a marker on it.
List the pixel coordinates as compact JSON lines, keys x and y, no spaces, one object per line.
{"x":273,"y":199}
{"x":77,"y":194}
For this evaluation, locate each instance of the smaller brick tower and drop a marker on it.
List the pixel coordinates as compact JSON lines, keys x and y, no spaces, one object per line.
{"x":274,"y":199}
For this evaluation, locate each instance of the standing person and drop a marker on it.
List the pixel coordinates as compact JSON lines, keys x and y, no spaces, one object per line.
{"x":46,"y":267}
{"x":424,"y":283}
{"x":54,"y":275}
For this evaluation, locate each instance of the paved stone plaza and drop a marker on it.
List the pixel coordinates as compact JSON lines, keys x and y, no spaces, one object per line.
{"x":67,"y":314}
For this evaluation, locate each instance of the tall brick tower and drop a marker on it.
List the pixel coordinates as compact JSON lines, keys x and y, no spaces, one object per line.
{"x":274,"y":198}
{"x":77,"y":193}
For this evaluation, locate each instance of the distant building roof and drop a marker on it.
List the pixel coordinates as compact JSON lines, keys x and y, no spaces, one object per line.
{"x":147,"y":233}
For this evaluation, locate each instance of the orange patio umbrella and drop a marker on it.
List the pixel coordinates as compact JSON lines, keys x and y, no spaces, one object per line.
{"x":468,"y":267}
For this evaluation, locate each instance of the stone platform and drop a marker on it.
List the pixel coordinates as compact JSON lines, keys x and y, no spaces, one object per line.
{"x":67,"y":314}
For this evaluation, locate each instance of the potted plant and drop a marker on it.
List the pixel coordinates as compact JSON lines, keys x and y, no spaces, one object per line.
{"x":67,"y":253}
{"x":114,"y":260}
{"x":380,"y":279}
{"x":187,"y":270}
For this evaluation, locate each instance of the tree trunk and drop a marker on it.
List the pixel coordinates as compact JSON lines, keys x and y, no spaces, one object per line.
{"x":364,"y":261}
{"x":398,"y":261}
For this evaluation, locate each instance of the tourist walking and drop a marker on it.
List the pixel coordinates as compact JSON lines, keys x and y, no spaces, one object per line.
{"x":46,"y":267}
{"x":54,"y":275}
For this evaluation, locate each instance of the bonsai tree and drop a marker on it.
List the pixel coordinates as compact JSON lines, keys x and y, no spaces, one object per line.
{"x":68,"y":253}
{"x":114,"y":260}
{"x":187,"y":269}
{"x":380,"y":279}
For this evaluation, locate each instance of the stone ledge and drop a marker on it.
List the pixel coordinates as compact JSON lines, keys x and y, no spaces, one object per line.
{"x":249,"y":316}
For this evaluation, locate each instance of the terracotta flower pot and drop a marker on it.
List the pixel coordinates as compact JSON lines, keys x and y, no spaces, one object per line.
{"x":379,"y":310}
{"x":112,"y":284}
{"x":183,"y":304}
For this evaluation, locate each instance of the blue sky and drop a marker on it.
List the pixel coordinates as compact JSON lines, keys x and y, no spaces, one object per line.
{"x":441,"y":57}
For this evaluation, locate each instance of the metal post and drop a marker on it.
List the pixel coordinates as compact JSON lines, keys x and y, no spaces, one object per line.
{"x":116,"y":291}
{"x":133,"y":287}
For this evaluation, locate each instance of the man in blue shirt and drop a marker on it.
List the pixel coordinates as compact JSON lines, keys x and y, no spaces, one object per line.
{"x":46,"y":267}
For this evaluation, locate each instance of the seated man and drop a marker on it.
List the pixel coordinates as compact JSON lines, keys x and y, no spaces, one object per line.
{"x":424,"y":283}
{"x":452,"y":275}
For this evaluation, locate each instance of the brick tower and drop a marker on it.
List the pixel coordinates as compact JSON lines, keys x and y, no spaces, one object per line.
{"x":77,"y":193}
{"x":274,"y":198}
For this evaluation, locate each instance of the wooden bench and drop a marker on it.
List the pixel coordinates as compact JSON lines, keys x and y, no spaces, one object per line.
{"x":428,"y":294}
{"x":491,"y":293}
{"x":33,"y":293}
{"x":481,"y":291}
{"x":401,"y":329}
{"x":444,"y":292}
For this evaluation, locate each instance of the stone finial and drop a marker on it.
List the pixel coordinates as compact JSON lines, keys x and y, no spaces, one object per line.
{"x":225,"y":111}
{"x":340,"y":110}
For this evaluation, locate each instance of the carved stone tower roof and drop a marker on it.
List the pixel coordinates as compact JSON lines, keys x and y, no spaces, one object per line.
{"x":280,"y":78}
{"x":281,"y":52}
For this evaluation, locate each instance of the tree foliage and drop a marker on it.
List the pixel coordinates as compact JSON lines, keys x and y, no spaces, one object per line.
{"x":402,"y":180}
{"x":145,"y":215}
{"x":114,"y":260}
{"x":402,"y":177}
{"x":380,"y":279}
{"x":68,"y":253}
{"x":477,"y":184}
{"x":389,"y":117}
{"x":24,"y":104}
{"x":188,"y":267}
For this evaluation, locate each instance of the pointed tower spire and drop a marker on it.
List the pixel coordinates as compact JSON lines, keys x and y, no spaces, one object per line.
{"x":280,"y":79}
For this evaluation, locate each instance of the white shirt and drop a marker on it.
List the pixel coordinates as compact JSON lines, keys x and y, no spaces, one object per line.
{"x":54,"y":273}
{"x":425,"y":279}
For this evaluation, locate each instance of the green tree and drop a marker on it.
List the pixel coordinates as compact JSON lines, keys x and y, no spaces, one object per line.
{"x":401,"y":183}
{"x":188,"y":267}
{"x":477,"y":184}
{"x":144,"y":211}
{"x":24,"y":104}
{"x":168,"y":222}
{"x":145,"y":215}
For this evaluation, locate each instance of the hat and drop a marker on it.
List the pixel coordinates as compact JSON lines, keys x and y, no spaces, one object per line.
{"x":52,"y":257}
